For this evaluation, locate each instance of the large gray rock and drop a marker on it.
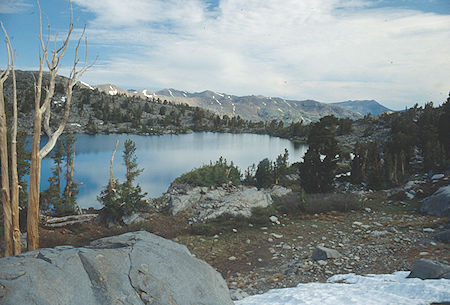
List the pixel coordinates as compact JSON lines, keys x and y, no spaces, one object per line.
{"x":202,"y":203}
{"x":428,"y":269}
{"x":133,"y":268}
{"x":438,"y":204}
{"x":443,"y":236}
{"x":323,"y":253}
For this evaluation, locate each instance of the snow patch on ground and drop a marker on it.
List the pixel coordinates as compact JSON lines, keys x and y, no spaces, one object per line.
{"x":356,"y":289}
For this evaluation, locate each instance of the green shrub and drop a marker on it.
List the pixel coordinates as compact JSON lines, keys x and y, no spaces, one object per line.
{"x":224,"y":223}
{"x":260,"y":216}
{"x":292,"y":203}
{"x":215,"y":174}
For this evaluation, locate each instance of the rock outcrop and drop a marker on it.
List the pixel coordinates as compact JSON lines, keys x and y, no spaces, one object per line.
{"x":438,"y":204}
{"x":203,"y":203}
{"x":133,"y":268}
{"x":428,"y":269}
{"x":323,"y":253}
{"x":443,"y":237}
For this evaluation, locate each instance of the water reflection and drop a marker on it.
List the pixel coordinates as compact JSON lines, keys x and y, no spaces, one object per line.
{"x":165,"y":157}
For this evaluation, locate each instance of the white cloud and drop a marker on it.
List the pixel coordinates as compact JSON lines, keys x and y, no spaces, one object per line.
{"x":329,"y":50}
{"x":12,"y":6}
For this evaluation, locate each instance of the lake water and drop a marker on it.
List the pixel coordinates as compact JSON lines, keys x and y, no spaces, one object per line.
{"x":164,"y":158}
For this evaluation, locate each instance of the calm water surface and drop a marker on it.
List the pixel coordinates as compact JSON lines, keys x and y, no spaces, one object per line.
{"x":164,"y":158}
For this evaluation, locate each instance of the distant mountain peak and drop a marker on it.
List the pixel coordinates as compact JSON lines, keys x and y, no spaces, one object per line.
{"x":364,"y":107}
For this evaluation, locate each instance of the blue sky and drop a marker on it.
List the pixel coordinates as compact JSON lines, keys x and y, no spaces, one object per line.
{"x":396,"y":52}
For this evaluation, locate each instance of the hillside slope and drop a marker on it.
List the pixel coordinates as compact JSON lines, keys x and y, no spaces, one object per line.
{"x":364,"y":107}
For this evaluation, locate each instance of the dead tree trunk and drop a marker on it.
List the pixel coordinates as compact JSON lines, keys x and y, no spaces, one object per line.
{"x":14,"y":174}
{"x":5,"y":191}
{"x":43,"y":111}
{"x":10,"y":192}
{"x":111,"y":173}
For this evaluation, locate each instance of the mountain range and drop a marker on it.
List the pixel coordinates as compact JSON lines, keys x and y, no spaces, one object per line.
{"x":256,"y":107}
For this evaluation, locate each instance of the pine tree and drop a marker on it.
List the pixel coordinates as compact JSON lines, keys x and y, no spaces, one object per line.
{"x":52,"y":195}
{"x":263,"y":174}
{"x":71,"y":188}
{"x":280,"y":166}
{"x":320,"y":162}
{"x":122,"y":199}
{"x":63,"y":155}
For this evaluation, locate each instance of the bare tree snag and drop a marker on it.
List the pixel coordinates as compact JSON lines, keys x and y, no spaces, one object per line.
{"x":70,"y":167}
{"x":17,"y":247}
{"x":111,"y":174}
{"x":5,"y":187}
{"x":42,"y":110}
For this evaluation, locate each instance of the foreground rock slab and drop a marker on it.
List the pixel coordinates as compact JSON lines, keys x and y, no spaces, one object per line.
{"x":133,"y":268}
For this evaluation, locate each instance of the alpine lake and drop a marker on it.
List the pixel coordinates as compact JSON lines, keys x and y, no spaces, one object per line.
{"x":164,"y":158}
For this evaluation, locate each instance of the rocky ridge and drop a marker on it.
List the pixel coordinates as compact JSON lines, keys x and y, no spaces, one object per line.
{"x":207,"y":203}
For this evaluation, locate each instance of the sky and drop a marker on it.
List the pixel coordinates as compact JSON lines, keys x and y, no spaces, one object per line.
{"x":396,"y":52}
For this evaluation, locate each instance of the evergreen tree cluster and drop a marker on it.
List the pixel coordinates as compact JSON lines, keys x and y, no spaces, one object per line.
{"x":268,"y":173}
{"x":419,"y":141}
{"x":318,"y":169}
{"x":216,"y":174}
{"x":123,"y":199}
{"x":62,"y":201}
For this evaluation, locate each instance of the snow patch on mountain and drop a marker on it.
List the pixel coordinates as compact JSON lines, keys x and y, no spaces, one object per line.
{"x":144,"y":92}
{"x":86,"y":84}
{"x":112,"y":91}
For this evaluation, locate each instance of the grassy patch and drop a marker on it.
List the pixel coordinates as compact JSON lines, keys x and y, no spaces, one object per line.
{"x":321,"y":203}
{"x":300,"y":203}
{"x":293,"y":203}
{"x":260,"y":216}
{"x":141,"y":226}
{"x":221,"y":224}
{"x":226,"y":223}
